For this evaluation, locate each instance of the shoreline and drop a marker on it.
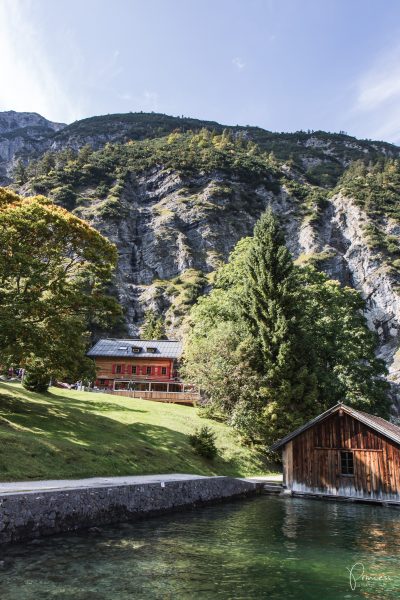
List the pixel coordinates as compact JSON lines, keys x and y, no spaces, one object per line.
{"x":29,"y":510}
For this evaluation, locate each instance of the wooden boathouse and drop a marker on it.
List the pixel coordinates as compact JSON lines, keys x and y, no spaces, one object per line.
{"x":344,"y":453}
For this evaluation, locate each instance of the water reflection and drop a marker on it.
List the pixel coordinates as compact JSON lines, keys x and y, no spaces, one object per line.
{"x":265,"y":547}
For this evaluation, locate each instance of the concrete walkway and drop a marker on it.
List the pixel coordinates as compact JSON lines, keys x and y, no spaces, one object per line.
{"x":14,"y":487}
{"x":277,"y":478}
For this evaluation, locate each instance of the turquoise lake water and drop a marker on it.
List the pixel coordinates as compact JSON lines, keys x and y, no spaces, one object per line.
{"x":265,"y":547}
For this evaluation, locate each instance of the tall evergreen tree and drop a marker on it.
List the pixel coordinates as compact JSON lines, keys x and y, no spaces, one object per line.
{"x":20,"y":172}
{"x":272,"y":306}
{"x":46,"y":163}
{"x":269,"y":301}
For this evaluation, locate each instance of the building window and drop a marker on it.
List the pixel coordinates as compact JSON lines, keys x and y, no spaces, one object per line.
{"x":102,"y":381}
{"x":148,"y":370}
{"x":133,"y":370}
{"x":163,"y":370}
{"x":346,"y":463}
{"x":151,"y":350}
{"x":118,"y":369}
{"x":136,"y":349}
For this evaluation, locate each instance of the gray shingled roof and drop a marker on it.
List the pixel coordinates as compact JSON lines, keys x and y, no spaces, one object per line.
{"x":123,"y":348}
{"x":380,"y":425}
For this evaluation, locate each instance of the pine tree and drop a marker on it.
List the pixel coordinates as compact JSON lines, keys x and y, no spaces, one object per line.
{"x":20,"y":173}
{"x":46,"y":163}
{"x":37,"y":376}
{"x":269,"y":300}
{"x":153,"y":326}
{"x":84,"y":154}
{"x":271,"y":306}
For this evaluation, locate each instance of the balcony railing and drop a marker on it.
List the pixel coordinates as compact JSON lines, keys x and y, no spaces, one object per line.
{"x":190,"y":398}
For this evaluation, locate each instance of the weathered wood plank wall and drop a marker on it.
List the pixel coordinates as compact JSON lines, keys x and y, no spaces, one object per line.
{"x":317,"y":460}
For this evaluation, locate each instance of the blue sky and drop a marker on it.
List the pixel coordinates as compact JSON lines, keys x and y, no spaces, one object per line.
{"x":281,"y":64}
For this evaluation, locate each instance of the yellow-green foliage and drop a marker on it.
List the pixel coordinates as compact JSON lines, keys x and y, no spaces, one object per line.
{"x":108,"y":169}
{"x":54,"y":269}
{"x":185,"y":289}
{"x":315,"y":259}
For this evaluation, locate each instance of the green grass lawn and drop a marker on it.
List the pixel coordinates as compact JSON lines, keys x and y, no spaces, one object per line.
{"x":68,"y":434}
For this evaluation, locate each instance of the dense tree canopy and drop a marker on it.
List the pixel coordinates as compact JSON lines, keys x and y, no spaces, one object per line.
{"x":53,"y":271}
{"x":64,"y":174}
{"x":275,"y":344}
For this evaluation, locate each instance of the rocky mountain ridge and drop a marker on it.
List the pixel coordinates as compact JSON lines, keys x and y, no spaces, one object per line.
{"x":23,"y":134}
{"x":322,"y":155}
{"x":12,"y":121}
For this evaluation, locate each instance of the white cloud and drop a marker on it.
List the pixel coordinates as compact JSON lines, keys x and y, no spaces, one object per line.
{"x":239,"y":63}
{"x":378,"y":96}
{"x":146,"y":100}
{"x":29,"y":82}
{"x":124,"y":96}
{"x":109,"y":69}
{"x":150,"y":100}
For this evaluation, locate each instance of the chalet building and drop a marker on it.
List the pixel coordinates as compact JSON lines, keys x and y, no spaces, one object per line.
{"x":343,"y":453}
{"x":137,"y":365}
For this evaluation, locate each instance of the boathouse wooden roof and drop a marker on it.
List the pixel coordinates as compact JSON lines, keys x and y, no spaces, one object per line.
{"x":378,"y":424}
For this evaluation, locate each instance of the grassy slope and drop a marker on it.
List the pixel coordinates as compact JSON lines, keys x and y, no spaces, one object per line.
{"x":67,"y":434}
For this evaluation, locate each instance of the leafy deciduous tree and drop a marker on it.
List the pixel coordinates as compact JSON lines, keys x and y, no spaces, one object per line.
{"x":53,"y":272}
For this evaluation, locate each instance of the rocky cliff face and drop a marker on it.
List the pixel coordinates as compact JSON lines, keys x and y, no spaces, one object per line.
{"x":172,"y":227}
{"x":12,"y":121}
{"x":340,"y":240}
{"x":369,"y":274}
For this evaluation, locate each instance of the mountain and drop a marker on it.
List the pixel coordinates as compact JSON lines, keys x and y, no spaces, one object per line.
{"x":176,"y":194}
{"x":23,"y":134}
{"x":323,"y":156}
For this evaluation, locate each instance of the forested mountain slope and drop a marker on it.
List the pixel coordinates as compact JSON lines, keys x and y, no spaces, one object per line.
{"x":323,"y":156}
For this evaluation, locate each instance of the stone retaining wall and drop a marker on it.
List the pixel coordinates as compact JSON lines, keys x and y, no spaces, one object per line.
{"x":28,"y":515}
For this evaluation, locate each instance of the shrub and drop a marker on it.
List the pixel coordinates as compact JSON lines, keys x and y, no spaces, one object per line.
{"x":37,"y":377}
{"x":110,"y":208}
{"x":208,"y":410}
{"x":203,"y":441}
{"x":65,"y":197}
{"x":102,"y":190}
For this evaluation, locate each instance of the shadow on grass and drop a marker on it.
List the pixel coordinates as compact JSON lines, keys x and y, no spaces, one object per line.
{"x":52,"y":436}
{"x":96,"y":406}
{"x":59,"y":439}
{"x":88,"y":404}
